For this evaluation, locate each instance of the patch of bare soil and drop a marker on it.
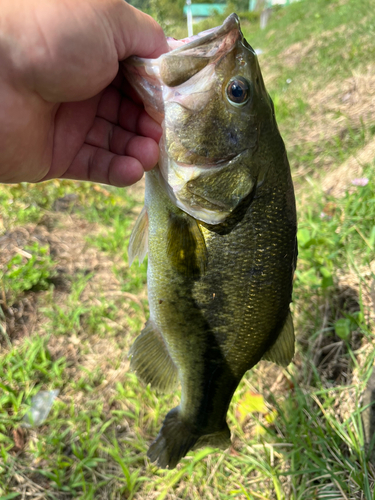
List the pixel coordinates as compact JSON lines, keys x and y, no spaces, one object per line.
{"x":339,"y":180}
{"x":296,"y":52}
{"x":340,"y":102}
{"x":362,"y":283}
{"x":67,"y":246}
{"x":340,"y":105}
{"x":18,"y":319}
{"x":66,"y":238}
{"x":333,"y":105}
{"x":107,"y":355}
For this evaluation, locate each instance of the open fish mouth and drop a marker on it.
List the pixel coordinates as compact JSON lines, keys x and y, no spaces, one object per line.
{"x":156,"y":80}
{"x":190,"y":55}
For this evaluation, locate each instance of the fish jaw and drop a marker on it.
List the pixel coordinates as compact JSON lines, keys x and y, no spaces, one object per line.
{"x":195,"y":190}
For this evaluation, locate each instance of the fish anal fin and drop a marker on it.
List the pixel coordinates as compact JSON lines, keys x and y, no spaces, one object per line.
{"x":151,"y":361}
{"x":138,"y":243}
{"x":282,"y":351}
{"x":186,"y":245}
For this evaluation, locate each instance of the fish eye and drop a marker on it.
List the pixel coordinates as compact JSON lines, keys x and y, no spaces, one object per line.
{"x":238,"y":91}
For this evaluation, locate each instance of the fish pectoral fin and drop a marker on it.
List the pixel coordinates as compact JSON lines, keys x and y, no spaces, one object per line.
{"x":138,"y":243}
{"x":282,"y":351}
{"x":186,"y":246}
{"x":151,"y":361}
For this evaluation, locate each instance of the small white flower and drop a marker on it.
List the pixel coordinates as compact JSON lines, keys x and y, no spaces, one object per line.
{"x":360,"y":181}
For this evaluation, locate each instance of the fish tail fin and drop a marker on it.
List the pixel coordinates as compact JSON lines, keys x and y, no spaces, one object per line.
{"x":175,"y":439}
{"x":172,"y":443}
{"x":220,"y":439}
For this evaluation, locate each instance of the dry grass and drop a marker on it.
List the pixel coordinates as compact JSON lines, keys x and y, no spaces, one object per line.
{"x":339,"y":180}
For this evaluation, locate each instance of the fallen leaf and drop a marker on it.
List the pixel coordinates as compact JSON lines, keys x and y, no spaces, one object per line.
{"x":271,"y":416}
{"x":250,"y":403}
{"x":19,"y":439}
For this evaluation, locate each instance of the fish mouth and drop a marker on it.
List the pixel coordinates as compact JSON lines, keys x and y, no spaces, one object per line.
{"x":190,"y":55}
{"x":152,"y":77}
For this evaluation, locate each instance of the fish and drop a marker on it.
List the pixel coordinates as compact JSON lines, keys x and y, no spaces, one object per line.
{"x":219,"y":226}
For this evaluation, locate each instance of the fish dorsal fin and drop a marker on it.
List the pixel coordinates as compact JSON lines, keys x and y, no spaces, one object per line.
{"x":138,"y":243}
{"x":186,"y":246}
{"x":151,"y":361}
{"x":282,"y":351}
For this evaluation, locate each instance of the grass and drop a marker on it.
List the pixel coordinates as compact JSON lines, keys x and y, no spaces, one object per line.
{"x":70,"y":308}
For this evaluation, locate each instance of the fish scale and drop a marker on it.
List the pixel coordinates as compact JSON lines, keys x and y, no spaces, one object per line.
{"x":219,"y":225}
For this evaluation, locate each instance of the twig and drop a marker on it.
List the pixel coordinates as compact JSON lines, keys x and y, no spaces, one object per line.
{"x":5,"y":335}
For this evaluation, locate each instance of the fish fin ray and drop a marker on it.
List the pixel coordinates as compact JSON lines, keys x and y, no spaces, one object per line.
{"x":282,"y":351}
{"x":172,"y":443}
{"x":138,"y":243}
{"x":186,"y":245}
{"x":151,"y":361}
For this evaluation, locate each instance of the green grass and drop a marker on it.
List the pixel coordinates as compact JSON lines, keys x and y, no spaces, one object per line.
{"x":68,"y":316}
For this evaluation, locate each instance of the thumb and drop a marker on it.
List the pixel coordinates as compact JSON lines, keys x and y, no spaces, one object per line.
{"x":71,"y":50}
{"x":136,"y":33}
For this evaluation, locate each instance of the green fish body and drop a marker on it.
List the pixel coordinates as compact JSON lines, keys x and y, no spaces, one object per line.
{"x":219,"y":226}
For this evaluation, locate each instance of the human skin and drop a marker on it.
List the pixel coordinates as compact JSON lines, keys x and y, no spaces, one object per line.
{"x":65,"y":109}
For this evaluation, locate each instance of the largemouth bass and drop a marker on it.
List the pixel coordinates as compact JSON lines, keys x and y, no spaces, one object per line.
{"x":219,"y":225}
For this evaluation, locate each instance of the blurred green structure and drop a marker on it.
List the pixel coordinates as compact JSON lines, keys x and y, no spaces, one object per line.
{"x":201,"y":11}
{"x":265,"y":4}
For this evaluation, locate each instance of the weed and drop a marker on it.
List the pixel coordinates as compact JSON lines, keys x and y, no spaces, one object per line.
{"x":32,"y":269}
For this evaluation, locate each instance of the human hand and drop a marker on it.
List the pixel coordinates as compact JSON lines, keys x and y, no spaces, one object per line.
{"x":65,"y":109}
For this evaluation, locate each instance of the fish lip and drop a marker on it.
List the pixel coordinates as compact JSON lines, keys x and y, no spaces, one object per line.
{"x":230,"y":23}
